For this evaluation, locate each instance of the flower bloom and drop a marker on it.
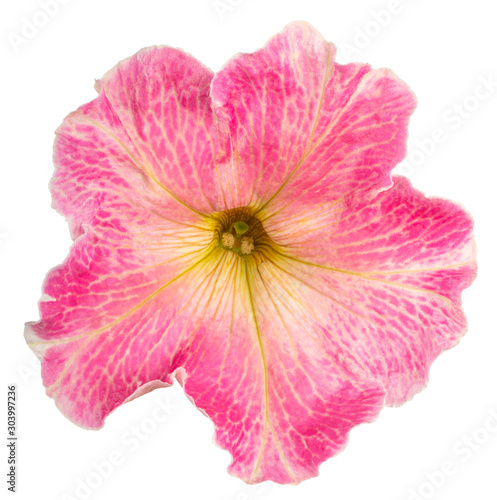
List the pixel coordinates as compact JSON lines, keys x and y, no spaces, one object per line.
{"x":241,"y":232}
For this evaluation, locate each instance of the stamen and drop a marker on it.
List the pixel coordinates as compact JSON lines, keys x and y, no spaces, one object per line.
{"x":247,"y":245}
{"x":228,"y":240}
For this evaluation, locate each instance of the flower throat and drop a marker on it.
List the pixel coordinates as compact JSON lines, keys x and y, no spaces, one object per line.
{"x":239,"y":231}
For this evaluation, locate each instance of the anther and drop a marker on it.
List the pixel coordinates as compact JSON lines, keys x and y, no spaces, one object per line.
{"x":228,"y":240}
{"x":247,"y":245}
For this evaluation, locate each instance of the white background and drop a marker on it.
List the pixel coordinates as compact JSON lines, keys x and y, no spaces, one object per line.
{"x":442,"y":49}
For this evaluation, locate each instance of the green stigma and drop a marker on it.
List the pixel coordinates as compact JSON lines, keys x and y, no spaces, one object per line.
{"x":240,"y":228}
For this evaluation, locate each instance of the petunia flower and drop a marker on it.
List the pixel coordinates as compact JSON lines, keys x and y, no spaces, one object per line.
{"x":242,"y":233}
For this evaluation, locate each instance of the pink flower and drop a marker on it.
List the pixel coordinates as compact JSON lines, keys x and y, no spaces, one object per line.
{"x":241,"y":232}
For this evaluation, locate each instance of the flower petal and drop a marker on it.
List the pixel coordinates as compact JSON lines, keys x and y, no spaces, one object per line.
{"x":281,"y":404}
{"x":96,"y":163}
{"x":104,"y":332}
{"x":306,"y":130}
{"x":161,"y":98}
{"x":388,"y":275}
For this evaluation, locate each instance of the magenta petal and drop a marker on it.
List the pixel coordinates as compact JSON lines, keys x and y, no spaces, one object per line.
{"x":104,"y":331}
{"x":306,"y":130}
{"x":387,"y":274}
{"x":97,"y":164}
{"x":281,"y":401}
{"x":161,"y":98}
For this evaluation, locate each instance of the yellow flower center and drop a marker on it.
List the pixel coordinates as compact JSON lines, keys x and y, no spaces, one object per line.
{"x":240,"y":231}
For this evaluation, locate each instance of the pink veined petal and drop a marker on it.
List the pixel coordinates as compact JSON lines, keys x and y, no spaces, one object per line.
{"x":161,"y":98}
{"x":264,"y":386}
{"x":96,"y":166}
{"x":387,"y":274}
{"x":305,"y":130}
{"x":96,"y":157}
{"x":104,"y":330}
